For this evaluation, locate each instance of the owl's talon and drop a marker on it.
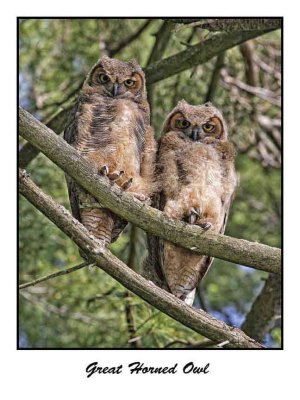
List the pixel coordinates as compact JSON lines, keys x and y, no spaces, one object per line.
{"x":206,"y":225}
{"x":104,"y":170}
{"x":194,"y":214}
{"x":115,"y":175}
{"x":126,"y":185}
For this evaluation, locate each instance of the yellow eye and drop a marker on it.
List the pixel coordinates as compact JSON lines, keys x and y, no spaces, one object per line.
{"x":103,"y":78}
{"x":129,"y":82}
{"x":208,"y":127}
{"x":182,"y":123}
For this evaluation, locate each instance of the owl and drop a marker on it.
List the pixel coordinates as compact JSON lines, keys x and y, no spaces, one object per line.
{"x":196,"y":163}
{"x":110,"y":127}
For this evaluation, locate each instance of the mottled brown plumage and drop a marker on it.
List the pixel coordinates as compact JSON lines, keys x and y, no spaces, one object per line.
{"x":110,"y":127}
{"x":196,"y":163}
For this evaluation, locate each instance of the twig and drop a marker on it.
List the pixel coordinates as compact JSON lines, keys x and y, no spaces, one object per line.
{"x":54,"y":275}
{"x":125,"y":42}
{"x":239,"y":251}
{"x":262,"y":93}
{"x":197,"y":320}
{"x":147,"y":320}
{"x":62,"y":311}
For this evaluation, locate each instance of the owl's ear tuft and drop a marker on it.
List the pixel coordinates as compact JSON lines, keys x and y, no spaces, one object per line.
{"x":135,"y":66}
{"x":134,"y":63}
{"x":182,"y":102}
{"x":104,"y":57}
{"x":103,"y":60}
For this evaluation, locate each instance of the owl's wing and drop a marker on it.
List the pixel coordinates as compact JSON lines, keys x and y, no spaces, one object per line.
{"x":70,"y":135}
{"x":71,"y":132}
{"x":226,"y":206}
{"x":227,"y":203}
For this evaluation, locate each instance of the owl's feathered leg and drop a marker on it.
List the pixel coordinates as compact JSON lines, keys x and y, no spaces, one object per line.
{"x":99,"y":222}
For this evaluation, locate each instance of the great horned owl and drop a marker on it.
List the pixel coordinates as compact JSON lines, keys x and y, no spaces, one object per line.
{"x":196,"y":163}
{"x":110,"y":127}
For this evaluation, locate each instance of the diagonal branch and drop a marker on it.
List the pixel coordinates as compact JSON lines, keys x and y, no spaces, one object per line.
{"x":126,"y":41}
{"x":197,"y":320}
{"x":265,"y":309}
{"x":239,"y":251}
{"x":230,"y":24}
{"x":54,"y":275}
{"x":197,"y":54}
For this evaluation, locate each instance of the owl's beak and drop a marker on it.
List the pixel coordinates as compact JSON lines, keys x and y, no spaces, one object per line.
{"x":196,"y":133}
{"x":115,"y":89}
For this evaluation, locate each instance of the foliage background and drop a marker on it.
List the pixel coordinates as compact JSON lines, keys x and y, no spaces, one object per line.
{"x":88,"y":308}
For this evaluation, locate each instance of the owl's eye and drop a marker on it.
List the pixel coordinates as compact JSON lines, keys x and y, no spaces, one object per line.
{"x":103,"y":78}
{"x":129,"y":83}
{"x":182,"y":123}
{"x":208,"y":127}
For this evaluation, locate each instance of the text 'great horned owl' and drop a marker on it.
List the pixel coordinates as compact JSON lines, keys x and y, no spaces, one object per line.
{"x":110,"y":127}
{"x":196,"y":163}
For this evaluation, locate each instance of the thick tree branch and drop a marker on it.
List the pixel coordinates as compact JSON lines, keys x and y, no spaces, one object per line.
{"x":265,"y":309}
{"x":197,"y":320}
{"x":54,"y":275}
{"x":197,"y":54}
{"x":230,"y":24}
{"x":151,"y":220}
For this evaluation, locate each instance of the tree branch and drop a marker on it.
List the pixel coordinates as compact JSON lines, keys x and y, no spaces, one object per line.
{"x":230,"y":24}
{"x":197,"y":54}
{"x":62,"y":311}
{"x":197,"y":320}
{"x":125,"y":42}
{"x":239,"y":251}
{"x":264,"y":309}
{"x":54,"y":275}
{"x":260,"y":92}
{"x":162,"y":38}
{"x":215,"y":77}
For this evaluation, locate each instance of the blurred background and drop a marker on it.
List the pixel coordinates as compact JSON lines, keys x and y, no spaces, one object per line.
{"x":88,"y":309}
